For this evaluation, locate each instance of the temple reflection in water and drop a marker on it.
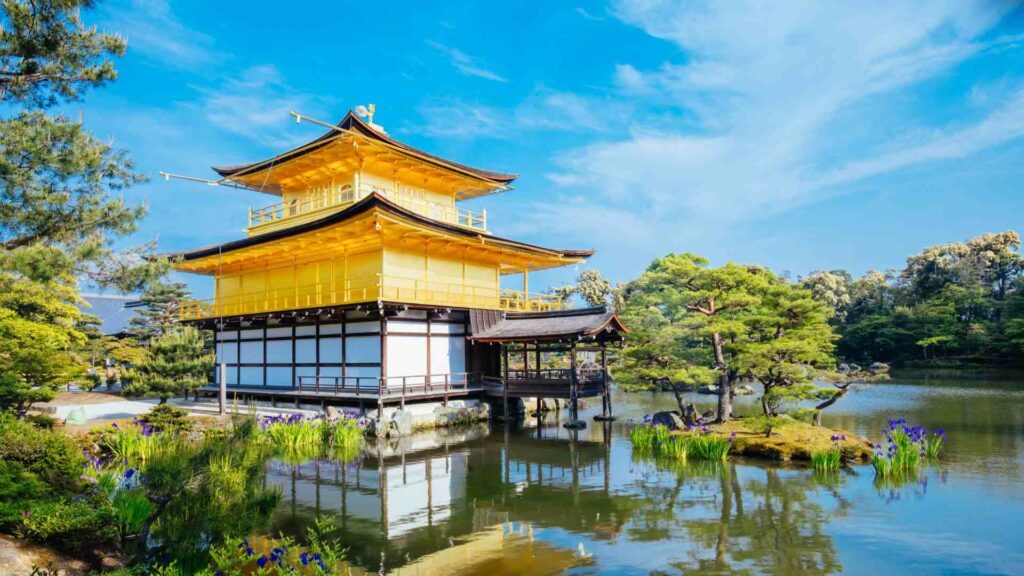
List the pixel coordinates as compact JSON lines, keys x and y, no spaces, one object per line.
{"x":464,"y":500}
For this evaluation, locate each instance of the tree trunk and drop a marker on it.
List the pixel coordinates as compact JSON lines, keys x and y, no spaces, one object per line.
{"x":725,"y":381}
{"x":687,"y":410}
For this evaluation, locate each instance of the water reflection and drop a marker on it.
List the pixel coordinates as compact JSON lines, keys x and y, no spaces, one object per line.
{"x":539,"y":499}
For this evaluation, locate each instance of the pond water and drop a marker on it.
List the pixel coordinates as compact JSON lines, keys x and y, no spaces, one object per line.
{"x":539,"y":499}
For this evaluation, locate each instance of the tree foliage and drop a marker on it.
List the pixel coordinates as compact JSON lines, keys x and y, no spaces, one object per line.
{"x":954,"y":301}
{"x":38,"y":335}
{"x":694,"y":324}
{"x":178,"y":363}
{"x":161,"y":304}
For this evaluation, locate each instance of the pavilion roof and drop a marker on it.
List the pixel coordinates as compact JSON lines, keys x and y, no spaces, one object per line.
{"x":382,"y":205}
{"x":352,"y":125}
{"x":558,"y":325}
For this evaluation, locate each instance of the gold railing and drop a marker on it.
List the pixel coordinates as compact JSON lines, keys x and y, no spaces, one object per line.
{"x":388,"y":288}
{"x":518,"y":300}
{"x":326,"y":198}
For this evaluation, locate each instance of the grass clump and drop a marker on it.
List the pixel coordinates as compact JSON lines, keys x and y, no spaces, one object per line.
{"x":907,"y":447}
{"x":300,"y":438}
{"x":698,"y":442}
{"x":830,"y":459}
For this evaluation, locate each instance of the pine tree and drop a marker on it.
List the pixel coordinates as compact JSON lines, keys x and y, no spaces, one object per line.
{"x":60,"y":195}
{"x":161,"y":303}
{"x":178,"y":363}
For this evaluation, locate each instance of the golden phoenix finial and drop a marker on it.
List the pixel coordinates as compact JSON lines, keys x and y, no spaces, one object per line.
{"x":366,"y":112}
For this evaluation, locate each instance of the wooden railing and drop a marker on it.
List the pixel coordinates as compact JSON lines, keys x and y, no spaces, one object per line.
{"x":392,"y":387}
{"x":382,"y":287}
{"x":329,"y":198}
{"x":530,"y":301}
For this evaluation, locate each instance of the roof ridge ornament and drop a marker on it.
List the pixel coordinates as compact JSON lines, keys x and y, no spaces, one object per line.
{"x":367,"y":112}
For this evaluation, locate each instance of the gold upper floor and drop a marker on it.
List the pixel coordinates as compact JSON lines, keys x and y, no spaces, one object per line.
{"x":351,"y":162}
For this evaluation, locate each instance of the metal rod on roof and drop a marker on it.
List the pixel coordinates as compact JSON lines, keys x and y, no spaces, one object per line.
{"x":299,"y":118}
{"x":168,"y":176}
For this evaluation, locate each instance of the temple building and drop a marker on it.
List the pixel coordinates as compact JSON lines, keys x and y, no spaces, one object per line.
{"x":367,"y":282}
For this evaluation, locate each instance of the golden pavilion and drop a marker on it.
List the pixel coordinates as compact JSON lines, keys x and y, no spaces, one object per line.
{"x":367,"y":280}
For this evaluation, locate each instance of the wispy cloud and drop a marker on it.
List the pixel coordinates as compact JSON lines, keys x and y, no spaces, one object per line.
{"x":541,"y":110}
{"x":255,"y":104}
{"x":156,"y":32}
{"x":766,"y":90}
{"x":587,"y":15}
{"x":466,"y":64}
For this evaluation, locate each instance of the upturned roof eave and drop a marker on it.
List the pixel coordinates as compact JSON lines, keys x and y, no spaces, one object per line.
{"x":370,"y":202}
{"x":353,"y":123}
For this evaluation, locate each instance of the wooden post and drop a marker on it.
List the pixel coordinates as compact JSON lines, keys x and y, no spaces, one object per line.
{"x":222,"y":389}
{"x":504,"y":384}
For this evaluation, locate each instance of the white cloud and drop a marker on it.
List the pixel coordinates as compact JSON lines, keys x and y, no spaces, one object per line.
{"x":154,"y":30}
{"x":255,"y":104}
{"x":541,"y":110}
{"x":466,"y":64}
{"x":767,"y":88}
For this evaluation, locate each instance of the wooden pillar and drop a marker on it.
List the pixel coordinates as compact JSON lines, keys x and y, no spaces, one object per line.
{"x":504,"y":384}
{"x":606,"y":397}
{"x":573,"y":388}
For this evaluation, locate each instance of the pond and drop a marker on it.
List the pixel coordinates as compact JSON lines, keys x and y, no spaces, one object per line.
{"x":539,"y":499}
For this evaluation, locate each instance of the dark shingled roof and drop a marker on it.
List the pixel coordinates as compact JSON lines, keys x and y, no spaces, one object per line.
{"x":115,"y":312}
{"x":372,"y":201}
{"x":353,"y":123}
{"x":594,"y":322}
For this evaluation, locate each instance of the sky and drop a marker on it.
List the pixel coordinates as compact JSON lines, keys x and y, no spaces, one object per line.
{"x":797,"y":135}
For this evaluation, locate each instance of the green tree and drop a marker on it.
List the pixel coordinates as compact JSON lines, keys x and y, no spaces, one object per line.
{"x":831,"y":289}
{"x":161,"y":304}
{"x":38,"y":332}
{"x":178,"y":363}
{"x":713,"y":305}
{"x":789,"y":342}
{"x":60,"y":205}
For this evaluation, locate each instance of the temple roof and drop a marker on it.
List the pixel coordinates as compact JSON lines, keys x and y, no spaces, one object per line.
{"x":373,"y":201}
{"x":493,"y":326}
{"x":352,"y":124}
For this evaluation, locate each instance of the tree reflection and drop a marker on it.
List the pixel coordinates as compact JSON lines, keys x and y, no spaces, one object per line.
{"x":742,"y":519}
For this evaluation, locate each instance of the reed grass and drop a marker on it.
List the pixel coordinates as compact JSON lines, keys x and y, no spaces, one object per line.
{"x":658,"y":440}
{"x":907,"y":447}
{"x":830,"y":459}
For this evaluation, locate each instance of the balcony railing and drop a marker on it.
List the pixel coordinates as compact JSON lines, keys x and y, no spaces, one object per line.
{"x":326,"y":198}
{"x":389,"y":288}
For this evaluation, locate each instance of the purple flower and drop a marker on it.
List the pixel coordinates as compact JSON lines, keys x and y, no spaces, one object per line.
{"x":262,"y":561}
{"x":129,"y":473}
{"x":114,"y":425}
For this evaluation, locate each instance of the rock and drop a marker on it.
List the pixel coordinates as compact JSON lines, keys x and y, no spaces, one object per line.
{"x":708,"y":389}
{"x":76,"y":416}
{"x":708,"y":415}
{"x":402,"y":422}
{"x":843,"y":368}
{"x":672,"y":420}
{"x":18,"y":557}
{"x":744,"y":390}
{"x":878,"y":367}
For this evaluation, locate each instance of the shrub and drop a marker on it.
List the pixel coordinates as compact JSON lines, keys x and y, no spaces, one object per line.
{"x":42,"y":420}
{"x":805,"y":414}
{"x":56,"y":458}
{"x":765,"y":424}
{"x":168,"y":418}
{"x":69,"y":522}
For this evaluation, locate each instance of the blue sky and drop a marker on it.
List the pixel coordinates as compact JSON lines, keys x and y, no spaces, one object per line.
{"x":805,"y":136}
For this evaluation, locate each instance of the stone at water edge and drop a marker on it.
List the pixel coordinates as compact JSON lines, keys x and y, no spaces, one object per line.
{"x":744,"y":390}
{"x":708,"y":389}
{"x":669,"y":419}
{"x":402,"y":421}
{"x":76,"y":416}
